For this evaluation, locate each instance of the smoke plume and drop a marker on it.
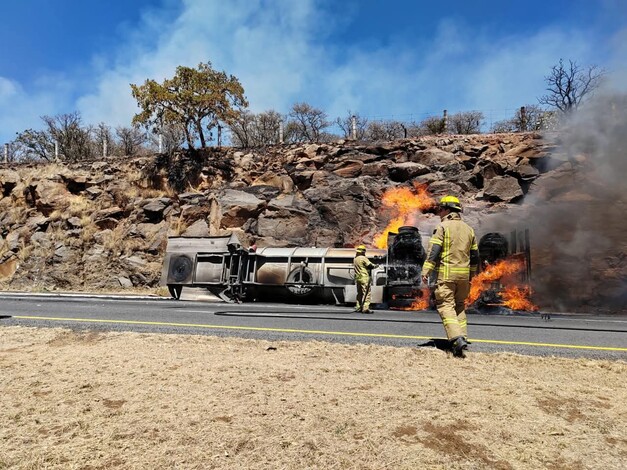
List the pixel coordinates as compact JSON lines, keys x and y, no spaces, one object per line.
{"x":577,"y":216}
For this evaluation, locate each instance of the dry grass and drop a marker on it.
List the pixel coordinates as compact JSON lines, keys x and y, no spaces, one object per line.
{"x":125,"y":400}
{"x":79,"y":206}
{"x":178,"y":227}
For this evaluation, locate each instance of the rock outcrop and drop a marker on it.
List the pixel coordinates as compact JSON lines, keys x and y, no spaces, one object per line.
{"x":104,"y":225}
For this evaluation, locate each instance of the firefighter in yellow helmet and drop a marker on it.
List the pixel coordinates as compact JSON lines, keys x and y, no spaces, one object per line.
{"x":453,"y":255}
{"x":363,"y":268}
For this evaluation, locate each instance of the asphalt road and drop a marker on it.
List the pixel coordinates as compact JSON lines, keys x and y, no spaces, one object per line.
{"x":568,"y":335}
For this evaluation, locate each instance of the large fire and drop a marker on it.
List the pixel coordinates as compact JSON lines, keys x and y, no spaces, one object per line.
{"x":504,"y":272}
{"x":406,"y":202}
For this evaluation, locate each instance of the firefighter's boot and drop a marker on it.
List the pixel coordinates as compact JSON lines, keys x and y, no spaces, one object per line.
{"x":458,"y":346}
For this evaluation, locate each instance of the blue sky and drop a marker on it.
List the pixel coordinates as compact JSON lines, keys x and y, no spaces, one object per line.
{"x":392,"y":59}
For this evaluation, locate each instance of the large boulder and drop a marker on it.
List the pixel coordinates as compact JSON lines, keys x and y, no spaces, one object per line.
{"x":348,"y":169}
{"x":47,"y":196}
{"x":282,"y":182}
{"x":401,"y":172}
{"x":502,"y":188}
{"x":153,"y":208}
{"x":283,"y":224}
{"x":238,"y":206}
{"x":432,"y":156}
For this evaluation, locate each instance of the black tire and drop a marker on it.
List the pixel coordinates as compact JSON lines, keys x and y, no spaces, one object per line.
{"x":181,"y":268}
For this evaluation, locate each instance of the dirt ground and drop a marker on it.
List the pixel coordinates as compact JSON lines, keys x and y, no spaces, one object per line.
{"x":88,"y":400}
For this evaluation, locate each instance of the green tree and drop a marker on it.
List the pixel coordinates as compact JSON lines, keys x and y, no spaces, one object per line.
{"x":197,"y":100}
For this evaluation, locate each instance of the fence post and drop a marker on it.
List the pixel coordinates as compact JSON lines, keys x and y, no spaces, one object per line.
{"x":523,"y":118}
{"x":281,"y":132}
{"x":6,"y":153}
{"x":56,"y":151}
{"x":354,"y":127}
{"x":445,"y":121}
{"x":219,"y":135}
{"x":104,"y":148}
{"x":160,"y":143}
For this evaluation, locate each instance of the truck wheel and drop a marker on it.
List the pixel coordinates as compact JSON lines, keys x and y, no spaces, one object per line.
{"x":297,"y":276}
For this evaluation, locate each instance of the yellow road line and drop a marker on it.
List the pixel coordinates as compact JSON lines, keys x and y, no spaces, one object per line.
{"x":314,"y":332}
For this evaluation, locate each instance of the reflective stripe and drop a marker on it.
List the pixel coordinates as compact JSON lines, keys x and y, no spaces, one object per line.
{"x":474,"y":247}
{"x":446,"y":251}
{"x":450,"y":321}
{"x":428,"y":265}
{"x":435,"y":241}
{"x":447,"y":269}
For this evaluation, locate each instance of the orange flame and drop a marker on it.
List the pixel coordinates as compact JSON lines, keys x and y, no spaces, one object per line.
{"x":514,"y":297}
{"x":420,"y":302}
{"x":517,"y":298}
{"x":405,"y":202}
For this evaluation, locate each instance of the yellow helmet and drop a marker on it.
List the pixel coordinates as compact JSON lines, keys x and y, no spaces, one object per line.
{"x":451,"y":202}
{"x":361,"y":249}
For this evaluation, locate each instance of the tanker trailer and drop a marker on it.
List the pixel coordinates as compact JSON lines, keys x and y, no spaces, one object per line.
{"x":301,"y":275}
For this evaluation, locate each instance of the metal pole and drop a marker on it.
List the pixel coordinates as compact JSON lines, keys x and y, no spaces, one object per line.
{"x":354,"y":127}
{"x":56,"y":150}
{"x":219,"y":135}
{"x":445,"y":120}
{"x":281,"y":132}
{"x":160,"y":143}
{"x":6,"y":153}
{"x":104,"y":148}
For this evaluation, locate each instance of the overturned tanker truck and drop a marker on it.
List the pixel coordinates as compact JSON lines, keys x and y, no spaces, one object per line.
{"x":227,"y":269}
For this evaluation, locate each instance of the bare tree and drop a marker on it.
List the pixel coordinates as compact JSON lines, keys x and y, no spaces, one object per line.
{"x":242,"y":130}
{"x":307,"y":123}
{"x":267,"y":128}
{"x":531,"y":119}
{"x":432,"y":125}
{"x":386,"y":130}
{"x":74,"y":141}
{"x":33,"y":145}
{"x":569,"y":84}
{"x":130,"y":140}
{"x":346,"y":125}
{"x":467,"y":122}
{"x":256,"y":130}
{"x":102,"y":136}
{"x":172,"y":139}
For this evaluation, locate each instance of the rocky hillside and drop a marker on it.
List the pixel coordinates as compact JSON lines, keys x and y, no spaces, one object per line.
{"x":103,"y":225}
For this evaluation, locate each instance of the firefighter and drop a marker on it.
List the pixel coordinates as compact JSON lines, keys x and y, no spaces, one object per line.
{"x":453,"y":255}
{"x":363,"y":267}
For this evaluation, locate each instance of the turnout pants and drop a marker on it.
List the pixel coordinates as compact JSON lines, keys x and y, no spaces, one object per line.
{"x":364,"y":295}
{"x":450,"y":297}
